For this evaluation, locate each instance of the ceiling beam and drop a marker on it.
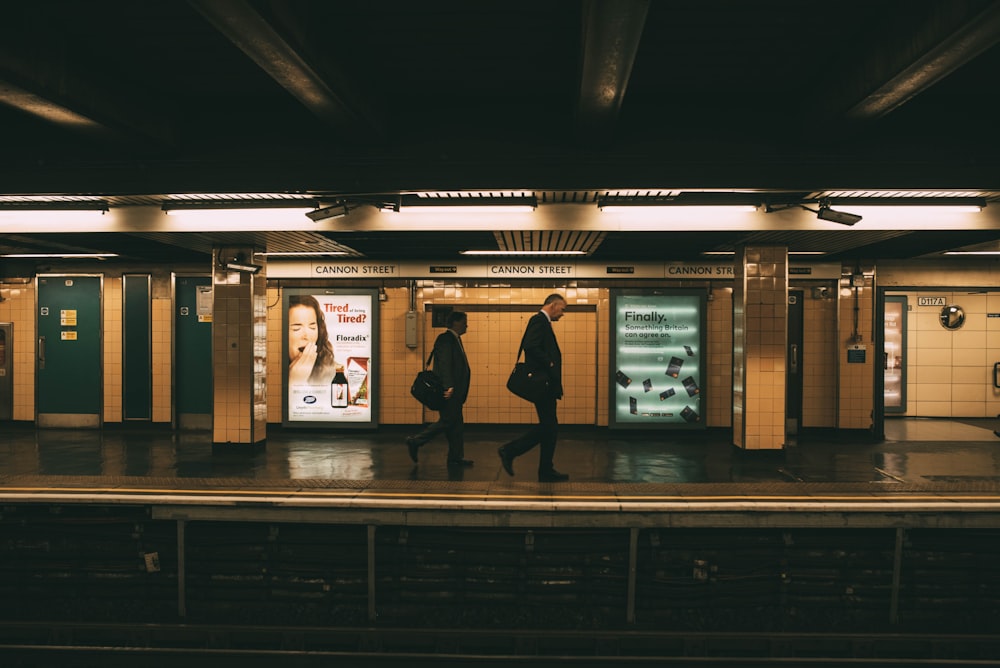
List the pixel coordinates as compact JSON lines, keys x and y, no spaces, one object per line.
{"x":935,"y":50}
{"x":261,"y":41}
{"x":40,"y":79}
{"x":612,"y":30}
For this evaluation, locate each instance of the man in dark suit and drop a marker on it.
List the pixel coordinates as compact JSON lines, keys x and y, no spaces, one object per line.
{"x":451,"y":364}
{"x":541,"y":354}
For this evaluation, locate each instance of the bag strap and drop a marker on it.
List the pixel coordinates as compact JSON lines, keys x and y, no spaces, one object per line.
{"x":428,"y":364}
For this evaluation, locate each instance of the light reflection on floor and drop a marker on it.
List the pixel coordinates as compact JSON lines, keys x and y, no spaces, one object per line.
{"x":915,"y":450}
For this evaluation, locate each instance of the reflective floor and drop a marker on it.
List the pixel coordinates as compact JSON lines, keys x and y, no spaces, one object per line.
{"x":914,"y":451}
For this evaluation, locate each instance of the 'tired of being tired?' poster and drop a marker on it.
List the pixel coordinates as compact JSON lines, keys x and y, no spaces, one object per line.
{"x":657,"y":360}
{"x":330,"y":357}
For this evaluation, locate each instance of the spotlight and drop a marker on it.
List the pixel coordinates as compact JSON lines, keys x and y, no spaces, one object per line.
{"x":842,"y":217}
{"x":338,"y":210}
{"x":245,"y":267}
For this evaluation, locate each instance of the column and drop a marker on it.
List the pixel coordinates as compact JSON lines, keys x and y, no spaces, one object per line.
{"x":239,"y":347}
{"x":760,"y":334}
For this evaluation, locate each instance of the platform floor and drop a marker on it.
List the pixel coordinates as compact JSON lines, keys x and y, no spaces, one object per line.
{"x":915,"y":451}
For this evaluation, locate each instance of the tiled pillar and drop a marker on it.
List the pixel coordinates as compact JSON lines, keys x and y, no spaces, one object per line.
{"x":239,"y":349}
{"x":760,"y":333}
{"x":857,"y":354}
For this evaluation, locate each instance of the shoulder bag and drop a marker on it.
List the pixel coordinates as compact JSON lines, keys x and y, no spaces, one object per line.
{"x":530,"y":385}
{"x":427,"y":387}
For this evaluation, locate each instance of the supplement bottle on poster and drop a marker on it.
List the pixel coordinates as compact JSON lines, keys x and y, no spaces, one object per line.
{"x":338,"y":389}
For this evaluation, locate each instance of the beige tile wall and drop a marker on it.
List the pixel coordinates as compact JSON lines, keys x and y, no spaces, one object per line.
{"x":239,"y":414}
{"x":112,"y":336}
{"x":491,"y":343}
{"x":763,"y":321}
{"x":162,"y":345}
{"x":819,"y":360}
{"x":856,"y":391}
{"x":18,"y":308}
{"x":950,"y":373}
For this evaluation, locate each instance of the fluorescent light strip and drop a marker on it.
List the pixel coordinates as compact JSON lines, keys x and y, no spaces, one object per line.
{"x":471,"y":209}
{"x":695,"y":209}
{"x":303,"y":253}
{"x":996,"y":252}
{"x":521,"y":252}
{"x":98,"y":256}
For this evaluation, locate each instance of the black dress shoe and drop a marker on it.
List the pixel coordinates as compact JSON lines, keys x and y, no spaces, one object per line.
{"x":506,"y":461}
{"x":413,"y":447}
{"x":552,"y":476}
{"x":460,"y":462}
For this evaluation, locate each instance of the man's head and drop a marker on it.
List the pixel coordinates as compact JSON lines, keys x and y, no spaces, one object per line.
{"x":458,"y":322}
{"x":554,"y":306}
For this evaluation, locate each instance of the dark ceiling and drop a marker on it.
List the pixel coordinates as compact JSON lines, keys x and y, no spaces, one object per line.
{"x":363,"y":100}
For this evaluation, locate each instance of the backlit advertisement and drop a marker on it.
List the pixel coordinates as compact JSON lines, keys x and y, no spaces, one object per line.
{"x":657,"y":358}
{"x":330,"y":352}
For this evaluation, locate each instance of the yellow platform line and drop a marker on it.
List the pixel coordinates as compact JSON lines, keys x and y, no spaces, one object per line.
{"x":497,"y":495}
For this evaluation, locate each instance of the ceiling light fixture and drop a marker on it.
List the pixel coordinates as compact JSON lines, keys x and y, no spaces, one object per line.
{"x":64,"y":256}
{"x":522,"y":252}
{"x":302,"y":253}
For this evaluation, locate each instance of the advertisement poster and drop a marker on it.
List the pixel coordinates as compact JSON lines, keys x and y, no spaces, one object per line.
{"x":657,"y":360}
{"x":330,"y":349}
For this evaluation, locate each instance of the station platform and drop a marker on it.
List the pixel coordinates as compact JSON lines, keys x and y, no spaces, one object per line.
{"x":928,"y":471}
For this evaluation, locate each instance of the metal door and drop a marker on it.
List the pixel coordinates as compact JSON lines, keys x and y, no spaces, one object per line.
{"x":793,"y":363}
{"x":193,"y":352}
{"x":69,"y":382}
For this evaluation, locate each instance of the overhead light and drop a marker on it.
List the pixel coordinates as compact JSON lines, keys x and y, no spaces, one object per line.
{"x":468,"y":204}
{"x":979,"y":252}
{"x":692,"y":209}
{"x":303,"y":253}
{"x":239,"y":216}
{"x":65,"y":256}
{"x":522,"y":252}
{"x":245,"y":267}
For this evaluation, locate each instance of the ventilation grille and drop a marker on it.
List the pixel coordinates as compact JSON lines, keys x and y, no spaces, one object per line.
{"x":549,"y":240}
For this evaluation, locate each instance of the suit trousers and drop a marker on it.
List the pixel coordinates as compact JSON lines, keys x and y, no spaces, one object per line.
{"x":542,"y":434}
{"x":451,"y":423}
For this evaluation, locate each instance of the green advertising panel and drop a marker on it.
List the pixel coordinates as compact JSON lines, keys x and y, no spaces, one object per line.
{"x":657,"y":359}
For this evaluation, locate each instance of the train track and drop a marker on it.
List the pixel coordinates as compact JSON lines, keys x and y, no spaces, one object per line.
{"x":30,"y":644}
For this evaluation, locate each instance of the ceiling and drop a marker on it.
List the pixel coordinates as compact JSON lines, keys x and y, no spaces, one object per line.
{"x":370,"y":101}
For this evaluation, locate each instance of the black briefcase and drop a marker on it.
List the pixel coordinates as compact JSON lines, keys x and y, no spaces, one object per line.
{"x":428,"y":389}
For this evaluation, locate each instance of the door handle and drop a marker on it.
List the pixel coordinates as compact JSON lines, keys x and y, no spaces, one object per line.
{"x":41,"y":352}
{"x":996,"y":375}
{"x":795,"y":358}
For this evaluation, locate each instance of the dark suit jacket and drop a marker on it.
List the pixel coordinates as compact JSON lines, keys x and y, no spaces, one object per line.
{"x":451,"y":364}
{"x":541,"y":351}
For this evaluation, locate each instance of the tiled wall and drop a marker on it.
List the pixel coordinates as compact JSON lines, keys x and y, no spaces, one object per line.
{"x":819,"y":359}
{"x":239,"y":328}
{"x":856,"y":393}
{"x":113,"y":360}
{"x":18,"y":308}
{"x":762,"y":275}
{"x":162,"y":327}
{"x":492,"y":343}
{"x":950,"y":372}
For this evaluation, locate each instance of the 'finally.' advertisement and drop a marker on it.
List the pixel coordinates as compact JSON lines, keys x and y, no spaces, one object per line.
{"x":658,"y":359}
{"x":330,"y":353}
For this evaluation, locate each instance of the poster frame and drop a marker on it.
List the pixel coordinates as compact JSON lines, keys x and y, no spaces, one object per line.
{"x":374,"y":384}
{"x":616,"y":296}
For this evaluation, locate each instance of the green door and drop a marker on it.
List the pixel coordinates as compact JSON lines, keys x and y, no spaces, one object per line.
{"x":69,"y":381}
{"x":193,"y":351}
